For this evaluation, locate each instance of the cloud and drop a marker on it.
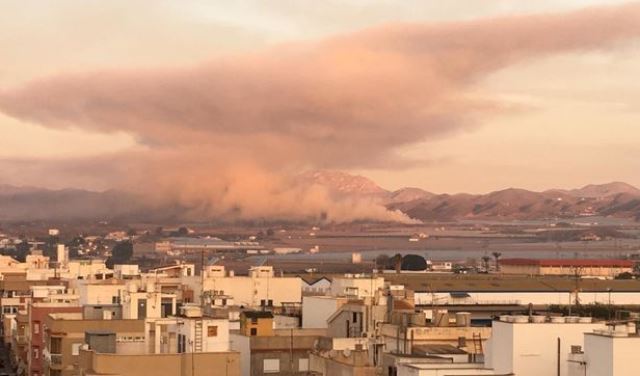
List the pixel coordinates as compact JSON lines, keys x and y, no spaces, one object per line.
{"x":228,"y":136}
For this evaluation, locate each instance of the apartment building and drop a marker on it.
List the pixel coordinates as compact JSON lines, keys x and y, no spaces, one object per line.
{"x":261,"y":288}
{"x":66,"y":333}
{"x":189,"y":344}
{"x":35,"y":333}
{"x":268,"y":351}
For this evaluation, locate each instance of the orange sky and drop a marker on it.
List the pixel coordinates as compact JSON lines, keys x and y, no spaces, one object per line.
{"x":574,"y":116}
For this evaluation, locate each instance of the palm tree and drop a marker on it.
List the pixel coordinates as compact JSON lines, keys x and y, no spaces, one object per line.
{"x":485,"y":262}
{"x":496,"y":256}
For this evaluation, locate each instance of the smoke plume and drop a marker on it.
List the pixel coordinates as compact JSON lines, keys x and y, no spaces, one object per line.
{"x":228,"y":137}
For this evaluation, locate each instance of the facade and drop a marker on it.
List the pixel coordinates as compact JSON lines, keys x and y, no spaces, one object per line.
{"x":316,"y":310}
{"x":356,"y":286}
{"x":65,"y":335}
{"x":261,"y":288}
{"x":35,"y":333}
{"x":283,"y":352}
{"x":607,"y":352}
{"x":92,"y":363}
{"x":525,"y":348}
{"x":605,"y":268}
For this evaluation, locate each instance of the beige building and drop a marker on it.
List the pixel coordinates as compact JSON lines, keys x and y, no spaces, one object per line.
{"x":189,"y":344}
{"x":261,"y":288}
{"x":93,"y":363}
{"x":607,"y":268}
{"x":65,"y":335}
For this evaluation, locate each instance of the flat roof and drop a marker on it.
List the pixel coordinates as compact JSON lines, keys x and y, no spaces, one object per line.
{"x":468,"y":283}
{"x":588,"y":263}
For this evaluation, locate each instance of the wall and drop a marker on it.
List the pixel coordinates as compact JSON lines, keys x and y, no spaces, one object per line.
{"x":317,"y":309}
{"x":224,"y":364}
{"x":531,"y":349}
{"x":250,"y":291}
{"x":536,"y":298}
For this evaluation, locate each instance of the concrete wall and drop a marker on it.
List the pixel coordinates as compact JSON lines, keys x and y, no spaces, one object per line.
{"x":360,"y":287}
{"x":531,"y":349}
{"x":250,"y":291}
{"x":317,"y":309}
{"x":537,"y":298}
{"x":222,"y":363}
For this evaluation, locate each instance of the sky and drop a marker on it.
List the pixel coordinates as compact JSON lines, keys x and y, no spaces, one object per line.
{"x":456,"y":96}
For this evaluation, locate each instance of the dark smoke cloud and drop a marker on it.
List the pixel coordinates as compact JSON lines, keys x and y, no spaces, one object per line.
{"x":228,"y":136}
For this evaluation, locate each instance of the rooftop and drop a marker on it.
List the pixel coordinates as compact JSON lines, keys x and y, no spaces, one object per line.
{"x":614,"y":263}
{"x":424,"y":282}
{"x":258,"y":314}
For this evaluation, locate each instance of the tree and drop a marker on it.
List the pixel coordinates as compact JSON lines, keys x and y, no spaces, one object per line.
{"x":485,"y":262}
{"x":396,"y":262}
{"x":414,"y":263}
{"x":496,"y":256}
{"x":183,"y":231}
{"x":382,"y":261}
{"x":120,"y":254}
{"x":22,"y":250}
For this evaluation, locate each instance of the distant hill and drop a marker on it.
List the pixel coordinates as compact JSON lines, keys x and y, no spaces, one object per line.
{"x":614,"y":199}
{"x":408,"y":194}
{"x":605,"y":190}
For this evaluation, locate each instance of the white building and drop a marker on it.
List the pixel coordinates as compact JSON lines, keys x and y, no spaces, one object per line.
{"x":608,"y":352}
{"x":356,"y":286}
{"x":316,"y":310}
{"x":191,"y":332}
{"x":260,"y":288}
{"x":527,"y":348}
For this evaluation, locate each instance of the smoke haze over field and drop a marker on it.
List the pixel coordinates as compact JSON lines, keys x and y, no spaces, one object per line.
{"x":229,"y":137}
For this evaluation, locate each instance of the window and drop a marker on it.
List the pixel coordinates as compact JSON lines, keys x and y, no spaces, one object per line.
{"x":212,"y":331}
{"x":55,"y":345}
{"x":75,"y":348}
{"x":254,"y":331}
{"x":36,"y":327}
{"x":36,"y":353}
{"x":355,"y":317}
{"x":271,"y":366}
{"x":303,"y":364}
{"x":254,"y":320}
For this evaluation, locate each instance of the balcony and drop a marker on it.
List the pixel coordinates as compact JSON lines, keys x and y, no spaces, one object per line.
{"x":55,"y":361}
{"x":21,"y":340}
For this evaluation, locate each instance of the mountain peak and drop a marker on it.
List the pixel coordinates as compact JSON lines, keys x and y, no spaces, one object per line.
{"x":345,"y":183}
{"x":604,"y":190}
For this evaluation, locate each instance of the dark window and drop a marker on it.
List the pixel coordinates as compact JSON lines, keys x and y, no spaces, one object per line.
{"x":355,"y":317}
{"x":254,"y":331}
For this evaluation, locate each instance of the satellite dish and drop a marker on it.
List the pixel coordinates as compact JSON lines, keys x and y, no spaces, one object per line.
{"x":346,"y":353}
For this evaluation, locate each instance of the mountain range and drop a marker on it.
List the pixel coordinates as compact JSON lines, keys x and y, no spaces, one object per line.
{"x":614,"y":199}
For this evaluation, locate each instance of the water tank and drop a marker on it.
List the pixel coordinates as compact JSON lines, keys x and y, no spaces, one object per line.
{"x":572,"y":319}
{"x":521,"y":319}
{"x":463,"y":319}
{"x":538,"y":319}
{"x":441,"y":318}
{"x":585,"y":320}
{"x":557,"y":320}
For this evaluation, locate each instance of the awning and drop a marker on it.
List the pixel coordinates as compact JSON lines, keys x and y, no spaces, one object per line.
{"x":459,"y":295}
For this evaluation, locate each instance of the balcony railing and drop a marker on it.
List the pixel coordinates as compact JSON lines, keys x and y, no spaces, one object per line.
{"x":21,"y":339}
{"x":55,"y":360}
